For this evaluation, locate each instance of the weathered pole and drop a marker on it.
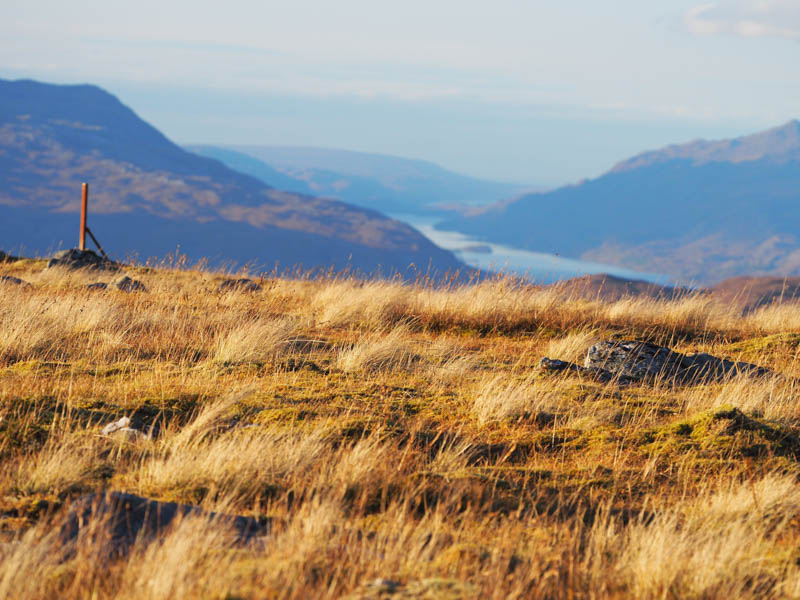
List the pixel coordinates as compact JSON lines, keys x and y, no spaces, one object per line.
{"x":84,"y":206}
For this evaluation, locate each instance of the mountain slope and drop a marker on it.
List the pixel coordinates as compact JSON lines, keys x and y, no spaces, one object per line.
{"x":244,"y":163}
{"x":703,"y":211}
{"x":387,"y":183}
{"x":54,"y":137}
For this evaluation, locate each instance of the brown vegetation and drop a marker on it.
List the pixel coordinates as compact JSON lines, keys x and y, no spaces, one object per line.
{"x":400,"y":440}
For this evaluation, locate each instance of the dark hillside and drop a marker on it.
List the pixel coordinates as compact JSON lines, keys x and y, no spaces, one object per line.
{"x":701,"y":212}
{"x":54,"y":137}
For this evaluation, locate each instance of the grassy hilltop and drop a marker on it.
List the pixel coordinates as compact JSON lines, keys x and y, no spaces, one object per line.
{"x":395,"y":433}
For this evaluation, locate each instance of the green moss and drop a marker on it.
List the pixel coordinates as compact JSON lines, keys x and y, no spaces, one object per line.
{"x":25,"y":366}
{"x":725,"y":432}
{"x":284,"y":414}
{"x":761,"y":344}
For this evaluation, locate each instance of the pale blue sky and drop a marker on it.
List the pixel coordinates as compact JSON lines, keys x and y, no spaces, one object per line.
{"x":526,"y":90}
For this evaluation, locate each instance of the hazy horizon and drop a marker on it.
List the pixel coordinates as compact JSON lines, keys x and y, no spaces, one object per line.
{"x":522,"y":92}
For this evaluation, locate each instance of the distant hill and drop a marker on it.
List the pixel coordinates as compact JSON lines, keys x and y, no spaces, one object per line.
{"x":610,"y":288}
{"x":149,"y":196}
{"x":386,"y":183}
{"x":752,"y":293}
{"x":703,"y":211}
{"x":745,"y":293}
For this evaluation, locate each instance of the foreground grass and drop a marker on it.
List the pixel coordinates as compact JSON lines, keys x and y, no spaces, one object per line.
{"x":393,"y":433}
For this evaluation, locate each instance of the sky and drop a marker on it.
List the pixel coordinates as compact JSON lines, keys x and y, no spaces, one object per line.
{"x":530,"y":91}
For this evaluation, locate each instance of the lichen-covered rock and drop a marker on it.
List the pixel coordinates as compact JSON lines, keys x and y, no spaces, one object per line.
{"x":643,"y":361}
{"x":117,"y":520}
{"x":242,"y":285}
{"x":627,"y":362}
{"x":81,"y":259}
{"x":126,"y":284}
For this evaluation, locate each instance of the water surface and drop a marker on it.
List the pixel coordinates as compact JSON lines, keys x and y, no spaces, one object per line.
{"x":538,"y":266}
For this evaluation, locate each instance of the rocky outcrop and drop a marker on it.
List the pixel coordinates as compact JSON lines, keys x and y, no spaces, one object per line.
{"x":125,"y":284}
{"x":81,"y":259}
{"x":117,"y":520}
{"x":629,"y":362}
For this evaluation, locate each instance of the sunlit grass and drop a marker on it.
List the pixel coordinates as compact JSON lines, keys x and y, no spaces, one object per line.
{"x":398,"y":439}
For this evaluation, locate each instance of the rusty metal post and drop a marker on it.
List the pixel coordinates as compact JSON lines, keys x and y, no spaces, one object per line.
{"x":84,"y":206}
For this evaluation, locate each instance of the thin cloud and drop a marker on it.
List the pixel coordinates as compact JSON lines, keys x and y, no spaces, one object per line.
{"x":746,"y":18}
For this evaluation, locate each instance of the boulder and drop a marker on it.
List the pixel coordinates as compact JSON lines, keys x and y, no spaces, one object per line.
{"x":643,"y":361}
{"x":242,"y":285}
{"x":632,"y":361}
{"x":126,"y":284}
{"x":117,"y":520}
{"x":81,"y":259}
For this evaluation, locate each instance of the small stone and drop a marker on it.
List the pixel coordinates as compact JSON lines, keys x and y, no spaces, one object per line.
{"x":112,"y":427}
{"x":13,"y":280}
{"x":126,"y":284}
{"x":557,"y":366}
{"x":81,"y":259}
{"x":122,"y":430}
{"x":99,"y":286}
{"x":381,"y":585}
{"x":553,"y":364}
{"x":243,"y":285}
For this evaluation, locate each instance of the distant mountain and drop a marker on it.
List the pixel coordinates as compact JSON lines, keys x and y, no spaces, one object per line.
{"x":149,"y":196}
{"x":386,"y":183}
{"x":776,"y":146}
{"x":703,"y":211}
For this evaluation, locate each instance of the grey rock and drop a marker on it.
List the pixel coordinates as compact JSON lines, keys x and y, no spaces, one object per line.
{"x":13,"y":280}
{"x":99,"y":286}
{"x":117,"y":520}
{"x":627,"y":362}
{"x":81,"y":259}
{"x":643,"y":361}
{"x":555,"y":365}
{"x":122,"y":430}
{"x":243,"y":285}
{"x":112,"y":427}
{"x":126,"y":284}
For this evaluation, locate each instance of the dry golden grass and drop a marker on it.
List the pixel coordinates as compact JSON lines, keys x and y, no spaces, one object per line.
{"x":399,"y":439}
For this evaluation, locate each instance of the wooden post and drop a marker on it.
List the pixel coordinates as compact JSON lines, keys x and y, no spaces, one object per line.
{"x":84,"y":206}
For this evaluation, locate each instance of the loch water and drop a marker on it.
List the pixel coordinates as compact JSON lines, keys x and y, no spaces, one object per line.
{"x":537,"y":266}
